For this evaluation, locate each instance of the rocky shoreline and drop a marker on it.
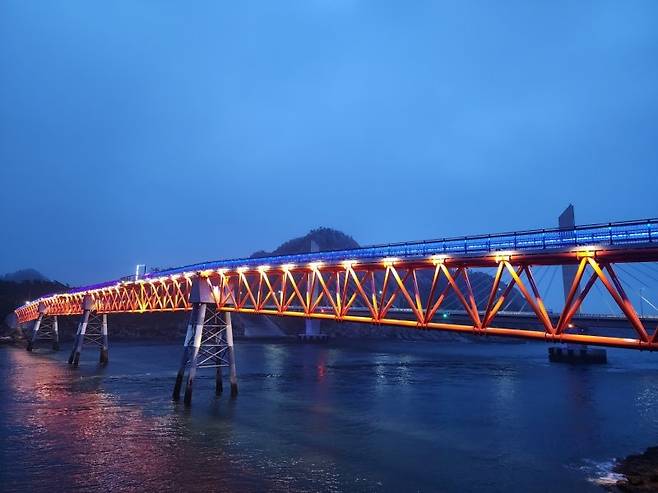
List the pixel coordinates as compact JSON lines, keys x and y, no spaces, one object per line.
{"x":640,"y":472}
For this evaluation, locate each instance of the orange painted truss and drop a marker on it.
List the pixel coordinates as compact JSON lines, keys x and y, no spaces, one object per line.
{"x":408,"y":293}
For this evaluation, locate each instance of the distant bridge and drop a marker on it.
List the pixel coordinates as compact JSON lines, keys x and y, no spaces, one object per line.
{"x":402,"y":284}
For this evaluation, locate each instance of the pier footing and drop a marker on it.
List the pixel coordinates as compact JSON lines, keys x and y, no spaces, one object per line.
{"x":577,"y":355}
{"x":314,"y":338}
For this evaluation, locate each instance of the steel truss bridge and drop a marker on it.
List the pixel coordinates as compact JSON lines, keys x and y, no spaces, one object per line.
{"x":383,"y":284}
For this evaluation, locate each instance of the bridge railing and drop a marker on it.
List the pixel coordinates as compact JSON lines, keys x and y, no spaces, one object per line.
{"x":614,"y":234}
{"x":629,"y":233}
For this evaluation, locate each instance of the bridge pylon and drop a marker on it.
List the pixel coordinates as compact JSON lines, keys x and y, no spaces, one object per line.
{"x":45,"y":327}
{"x":573,"y":353}
{"x":312,"y":331}
{"x":91,"y":329}
{"x":208,"y":343}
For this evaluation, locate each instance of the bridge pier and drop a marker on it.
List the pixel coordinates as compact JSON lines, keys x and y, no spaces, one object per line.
{"x":183,"y":365}
{"x":104,"y":353}
{"x":312,"y":331}
{"x":45,"y":328}
{"x":55,"y":330}
{"x":573,"y":353}
{"x":194,"y":355}
{"x":233,"y":375}
{"x":74,"y":359}
{"x":219,"y":384}
{"x":208,"y":344}
{"x":225,"y":356}
{"x":35,"y":332}
{"x":75,"y":343}
{"x":92,"y":328}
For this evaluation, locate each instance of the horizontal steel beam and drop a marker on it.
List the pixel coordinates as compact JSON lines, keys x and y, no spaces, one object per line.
{"x":390,"y":291}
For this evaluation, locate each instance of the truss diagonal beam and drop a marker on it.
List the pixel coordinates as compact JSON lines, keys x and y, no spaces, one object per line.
{"x":394,"y":292}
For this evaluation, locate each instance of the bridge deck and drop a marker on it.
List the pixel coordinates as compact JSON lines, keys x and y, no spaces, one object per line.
{"x":378,"y":284}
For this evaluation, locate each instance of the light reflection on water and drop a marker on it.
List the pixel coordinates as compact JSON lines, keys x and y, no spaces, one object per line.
{"x":352,"y":416}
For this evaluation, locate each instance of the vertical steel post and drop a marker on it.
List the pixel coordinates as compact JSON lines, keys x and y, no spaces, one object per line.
{"x":104,"y":356}
{"x":231,"y":356}
{"x":219,"y":384}
{"x":55,"y":334}
{"x":198,"y":334}
{"x":87,"y":307}
{"x":35,"y":332}
{"x":183,"y":365}
{"x":81,"y":337}
{"x":75,"y":343}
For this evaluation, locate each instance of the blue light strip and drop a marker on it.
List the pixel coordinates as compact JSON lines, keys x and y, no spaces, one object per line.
{"x":628,"y":234}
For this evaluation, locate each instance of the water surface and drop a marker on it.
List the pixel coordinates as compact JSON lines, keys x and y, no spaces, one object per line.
{"x":348,"y":416}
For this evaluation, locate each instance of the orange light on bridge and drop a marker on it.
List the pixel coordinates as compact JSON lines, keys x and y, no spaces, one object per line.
{"x":586,"y":251}
{"x":378,"y":293}
{"x":503,"y":256}
{"x":438,"y":259}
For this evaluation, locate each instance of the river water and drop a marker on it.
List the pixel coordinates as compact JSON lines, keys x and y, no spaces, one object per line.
{"x":347,"y":416}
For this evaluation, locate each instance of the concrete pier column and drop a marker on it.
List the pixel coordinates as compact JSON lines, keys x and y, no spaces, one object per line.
{"x":35,"y":332}
{"x":104,"y":356}
{"x":183,"y":364}
{"x":233,"y":376}
{"x":194,"y":351}
{"x":55,"y":334}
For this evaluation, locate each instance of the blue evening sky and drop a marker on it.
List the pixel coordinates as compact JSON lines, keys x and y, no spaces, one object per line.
{"x":172,"y":132}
